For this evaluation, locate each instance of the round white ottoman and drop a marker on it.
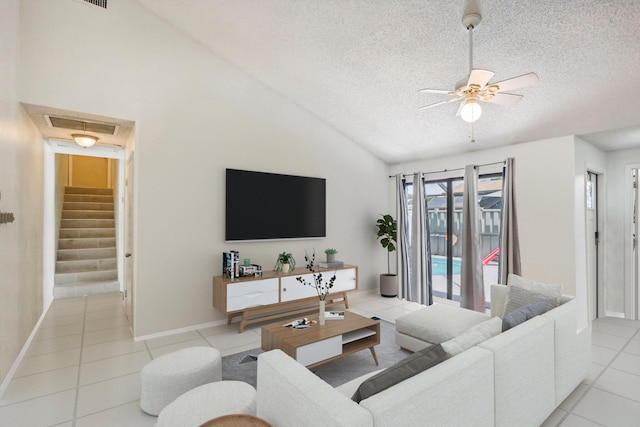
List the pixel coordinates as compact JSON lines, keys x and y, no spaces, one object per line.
{"x":208,"y":401}
{"x":168,"y":376}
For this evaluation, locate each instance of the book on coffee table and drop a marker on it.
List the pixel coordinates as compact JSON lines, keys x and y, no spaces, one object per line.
{"x":334,"y":315}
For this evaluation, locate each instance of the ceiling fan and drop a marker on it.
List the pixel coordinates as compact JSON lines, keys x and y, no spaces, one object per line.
{"x":476,"y":86}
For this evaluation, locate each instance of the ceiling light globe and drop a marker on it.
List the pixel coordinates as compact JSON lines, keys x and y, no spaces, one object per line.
{"x":85,"y":141}
{"x":471,"y":111}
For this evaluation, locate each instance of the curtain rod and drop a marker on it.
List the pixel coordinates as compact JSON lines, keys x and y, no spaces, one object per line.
{"x":453,"y":170}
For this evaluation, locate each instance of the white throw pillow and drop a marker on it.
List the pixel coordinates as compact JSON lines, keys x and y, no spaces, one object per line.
{"x":473,"y":336}
{"x":550,"y":290}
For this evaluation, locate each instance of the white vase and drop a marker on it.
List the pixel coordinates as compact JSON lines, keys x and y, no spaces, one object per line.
{"x":321,"y":313}
{"x":285,"y":267}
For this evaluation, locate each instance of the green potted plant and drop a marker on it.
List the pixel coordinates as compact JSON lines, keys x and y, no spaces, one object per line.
{"x":387,"y":234}
{"x":331,"y":254}
{"x":285,"y":262}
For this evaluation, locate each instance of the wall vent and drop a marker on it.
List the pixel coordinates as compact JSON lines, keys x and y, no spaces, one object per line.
{"x":99,"y":3}
{"x":81,"y":125}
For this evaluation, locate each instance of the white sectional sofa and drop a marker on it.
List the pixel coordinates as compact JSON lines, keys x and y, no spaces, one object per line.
{"x":516,"y":378}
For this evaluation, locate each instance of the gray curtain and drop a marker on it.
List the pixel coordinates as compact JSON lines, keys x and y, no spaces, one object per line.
{"x":420,"y":286}
{"x":509,"y":240}
{"x":402,"y":240}
{"x":472,"y":286}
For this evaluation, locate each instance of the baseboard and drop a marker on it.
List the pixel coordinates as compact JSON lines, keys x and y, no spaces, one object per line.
{"x":614,"y":314}
{"x":180,"y":330}
{"x":25,"y":347}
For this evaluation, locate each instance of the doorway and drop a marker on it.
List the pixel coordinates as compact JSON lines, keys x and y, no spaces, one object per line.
{"x":55,"y":150}
{"x":592,"y":242}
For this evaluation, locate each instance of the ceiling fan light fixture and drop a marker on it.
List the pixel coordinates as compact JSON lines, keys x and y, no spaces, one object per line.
{"x":84,"y":140}
{"x":471,"y":110}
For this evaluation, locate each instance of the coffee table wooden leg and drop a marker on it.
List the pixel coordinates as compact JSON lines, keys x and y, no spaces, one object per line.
{"x":373,"y":353}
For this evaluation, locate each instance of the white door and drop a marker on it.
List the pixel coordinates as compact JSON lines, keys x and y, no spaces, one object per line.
{"x":128,"y":264}
{"x":592,"y":243}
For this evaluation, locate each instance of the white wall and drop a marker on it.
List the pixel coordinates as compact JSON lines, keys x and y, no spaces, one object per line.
{"x":618,"y":212}
{"x":21,"y":192}
{"x":545,"y":202}
{"x":195,"y":116}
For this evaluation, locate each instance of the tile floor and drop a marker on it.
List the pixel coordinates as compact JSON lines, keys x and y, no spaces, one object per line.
{"x":83,"y":367}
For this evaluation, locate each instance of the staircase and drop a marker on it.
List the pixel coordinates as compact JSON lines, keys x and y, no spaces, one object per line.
{"x":86,"y":262}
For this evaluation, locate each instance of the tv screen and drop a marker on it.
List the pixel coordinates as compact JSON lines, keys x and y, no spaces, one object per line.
{"x":269,"y":206}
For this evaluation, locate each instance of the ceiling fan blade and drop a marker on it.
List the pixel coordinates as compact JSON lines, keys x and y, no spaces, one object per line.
{"x":503,"y":99}
{"x":442,"y":91}
{"x":479,"y":77}
{"x":459,"y":109}
{"x":524,"y":80}
{"x":441,"y":103}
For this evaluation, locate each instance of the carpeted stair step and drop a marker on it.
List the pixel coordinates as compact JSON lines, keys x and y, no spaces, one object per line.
{"x":88,"y":190}
{"x":86,"y":265}
{"x":87,"y":223}
{"x":87,"y":206}
{"x":86,"y":233}
{"x":93,"y":214}
{"x":83,"y":254}
{"x":85,"y":276}
{"x":86,"y":243}
{"x":73,"y":290}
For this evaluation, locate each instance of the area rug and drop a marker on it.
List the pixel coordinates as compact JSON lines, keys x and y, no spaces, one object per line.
{"x":242,"y":366}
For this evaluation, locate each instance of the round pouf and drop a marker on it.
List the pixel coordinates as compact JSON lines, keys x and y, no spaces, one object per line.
{"x":208,"y":401}
{"x":167,"y":377}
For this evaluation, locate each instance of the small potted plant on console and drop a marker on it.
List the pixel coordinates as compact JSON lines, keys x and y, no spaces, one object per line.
{"x":331,"y":254}
{"x":285,"y":262}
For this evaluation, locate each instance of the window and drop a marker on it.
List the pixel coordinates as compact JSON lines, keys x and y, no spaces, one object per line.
{"x":444,"y":203}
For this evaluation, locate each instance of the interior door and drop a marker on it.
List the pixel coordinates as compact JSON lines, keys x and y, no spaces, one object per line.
{"x":128,"y":264}
{"x":592,"y":243}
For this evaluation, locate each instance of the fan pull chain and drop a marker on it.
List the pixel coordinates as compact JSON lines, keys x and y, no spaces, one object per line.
{"x":471,"y":136}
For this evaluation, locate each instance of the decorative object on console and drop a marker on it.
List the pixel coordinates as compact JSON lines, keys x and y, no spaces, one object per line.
{"x":331,"y":254}
{"x":387,"y":233}
{"x":318,"y":284}
{"x":285,"y":262}
{"x":231,"y":264}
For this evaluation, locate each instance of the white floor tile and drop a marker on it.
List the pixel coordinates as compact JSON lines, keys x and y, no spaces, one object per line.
{"x":608,"y":409}
{"x":113,"y":367}
{"x":58,"y":332}
{"x":173,"y":339}
{"x":621,"y":383}
{"x":106,"y":335}
{"x":576,"y":421}
{"x":62,"y":320}
{"x":43,"y":411}
{"x":621,"y":322}
{"x":38,"y":385}
{"x":62,"y":312}
{"x":602,"y":355}
{"x":594,"y":371}
{"x":114,"y":348}
{"x":612,"y":342}
{"x":128,"y":415}
{"x":106,"y":314}
{"x":570,"y":402}
{"x":97,"y":325}
{"x":54,"y":344}
{"x":159,"y":351}
{"x":108,"y":394}
{"x":627,"y":362}
{"x":220,"y":329}
{"x":48,"y":362}
{"x":633,"y":347}
{"x":391,"y":314}
{"x":614,"y":329}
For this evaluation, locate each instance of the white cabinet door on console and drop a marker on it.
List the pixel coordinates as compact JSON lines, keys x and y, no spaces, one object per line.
{"x":242,"y":295}
{"x":293,"y":290}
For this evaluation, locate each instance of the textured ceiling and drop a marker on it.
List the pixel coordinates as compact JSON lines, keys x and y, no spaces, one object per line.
{"x":358,"y":64}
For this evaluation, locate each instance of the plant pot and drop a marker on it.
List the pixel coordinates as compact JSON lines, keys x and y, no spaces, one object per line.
{"x":331,"y":257}
{"x":388,"y":285}
{"x":285,"y":267}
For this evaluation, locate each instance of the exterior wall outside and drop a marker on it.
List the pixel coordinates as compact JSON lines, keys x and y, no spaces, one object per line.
{"x":21,"y":187}
{"x":195,"y":116}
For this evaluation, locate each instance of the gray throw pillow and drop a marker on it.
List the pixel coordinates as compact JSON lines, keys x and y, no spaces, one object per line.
{"x":406,"y":368}
{"x":524,"y":313}
{"x":519,"y":297}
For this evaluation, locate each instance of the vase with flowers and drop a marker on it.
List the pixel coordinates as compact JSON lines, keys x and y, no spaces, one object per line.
{"x":321,"y":286}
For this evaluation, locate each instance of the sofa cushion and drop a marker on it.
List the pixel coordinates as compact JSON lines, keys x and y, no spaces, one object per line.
{"x":519,"y":297}
{"x":548,"y":289}
{"x":524,"y":313}
{"x":406,"y":368}
{"x":438,"y":322}
{"x":474,"y":336}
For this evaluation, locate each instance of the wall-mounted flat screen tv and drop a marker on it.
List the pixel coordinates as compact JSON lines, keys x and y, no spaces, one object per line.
{"x":269,"y":206}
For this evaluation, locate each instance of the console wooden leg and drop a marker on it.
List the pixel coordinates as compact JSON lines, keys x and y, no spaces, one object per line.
{"x":373,"y":353}
{"x":346,"y":301}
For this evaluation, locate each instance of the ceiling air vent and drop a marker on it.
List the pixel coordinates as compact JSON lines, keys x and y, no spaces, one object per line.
{"x":100,"y":3}
{"x":74,"y":124}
